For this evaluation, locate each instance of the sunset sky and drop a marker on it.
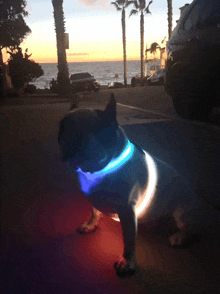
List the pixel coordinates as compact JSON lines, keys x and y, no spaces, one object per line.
{"x":94,"y":28}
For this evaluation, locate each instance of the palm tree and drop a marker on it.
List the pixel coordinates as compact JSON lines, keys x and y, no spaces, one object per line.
{"x":120,"y":6}
{"x":140,"y":6}
{"x":153,"y":49}
{"x":63,"y":72}
{"x":146,"y":59}
{"x":169,"y":11}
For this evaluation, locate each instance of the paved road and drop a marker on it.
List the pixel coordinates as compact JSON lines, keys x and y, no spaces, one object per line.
{"x":41,"y":251}
{"x":149,"y":98}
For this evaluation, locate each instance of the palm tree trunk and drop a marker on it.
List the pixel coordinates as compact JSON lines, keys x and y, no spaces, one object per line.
{"x":162,"y":50}
{"x":2,"y":77}
{"x":63,"y":72}
{"x":124,"y":47}
{"x":169,"y":6}
{"x":142,"y":44}
{"x":146,"y":61}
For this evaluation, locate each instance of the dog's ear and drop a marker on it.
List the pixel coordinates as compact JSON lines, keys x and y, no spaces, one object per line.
{"x":110,"y":109}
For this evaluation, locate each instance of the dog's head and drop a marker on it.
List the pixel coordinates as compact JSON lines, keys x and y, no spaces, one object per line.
{"x":87,"y":137}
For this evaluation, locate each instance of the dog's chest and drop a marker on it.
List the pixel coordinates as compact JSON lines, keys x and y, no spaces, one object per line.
{"x":117,"y":188}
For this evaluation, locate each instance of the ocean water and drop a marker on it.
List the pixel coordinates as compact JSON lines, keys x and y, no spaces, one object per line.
{"x":104,"y":72}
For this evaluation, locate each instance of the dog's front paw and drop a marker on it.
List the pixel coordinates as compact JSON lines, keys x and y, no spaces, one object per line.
{"x":91,"y":226}
{"x":125,"y":267}
{"x":87,"y":228}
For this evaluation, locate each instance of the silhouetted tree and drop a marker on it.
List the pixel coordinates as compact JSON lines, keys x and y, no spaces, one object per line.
{"x":153,"y":48}
{"x":170,"y":14}
{"x":63,"y":72}
{"x":22,"y":70}
{"x":13,"y":28}
{"x":120,"y":6}
{"x":140,"y":6}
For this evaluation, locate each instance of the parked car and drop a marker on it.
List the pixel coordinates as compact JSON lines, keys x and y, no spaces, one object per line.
{"x":84,"y":82}
{"x":193,"y":62}
{"x":138,"y":81}
{"x":115,"y":85}
{"x":157,"y":79}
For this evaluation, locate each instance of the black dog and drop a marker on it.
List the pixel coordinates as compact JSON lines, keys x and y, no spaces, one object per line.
{"x":122,"y":180}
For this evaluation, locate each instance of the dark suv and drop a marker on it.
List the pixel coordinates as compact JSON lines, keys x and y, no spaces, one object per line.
{"x":193,"y":60}
{"x":84,"y":82}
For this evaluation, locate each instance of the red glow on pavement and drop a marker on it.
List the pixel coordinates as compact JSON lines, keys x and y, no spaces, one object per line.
{"x":57,"y":214}
{"x":94,"y":254}
{"x":47,"y":219}
{"x":50,"y":216}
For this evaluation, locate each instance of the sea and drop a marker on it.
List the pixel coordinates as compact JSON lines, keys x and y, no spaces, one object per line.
{"x":104,"y":72}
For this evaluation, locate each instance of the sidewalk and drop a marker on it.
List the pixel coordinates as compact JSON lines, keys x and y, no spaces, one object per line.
{"x":32,"y":100}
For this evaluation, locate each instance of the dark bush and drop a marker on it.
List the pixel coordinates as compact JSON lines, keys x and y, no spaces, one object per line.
{"x":30,"y":89}
{"x":53,"y":86}
{"x":133,"y":82}
{"x":22,"y":70}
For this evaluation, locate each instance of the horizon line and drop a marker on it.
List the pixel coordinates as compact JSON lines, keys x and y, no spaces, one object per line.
{"x":93,"y":61}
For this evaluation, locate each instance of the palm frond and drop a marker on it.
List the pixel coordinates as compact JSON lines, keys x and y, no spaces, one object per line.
{"x":129,"y":3}
{"x":147,"y":8}
{"x":121,"y":2}
{"x":142,"y":4}
{"x":133,"y":11}
{"x":136,"y":4}
{"x":153,"y":47}
{"x":116,"y":6}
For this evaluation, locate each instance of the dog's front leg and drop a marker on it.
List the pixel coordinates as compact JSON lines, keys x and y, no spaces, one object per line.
{"x":91,"y":226}
{"x":126,"y":264}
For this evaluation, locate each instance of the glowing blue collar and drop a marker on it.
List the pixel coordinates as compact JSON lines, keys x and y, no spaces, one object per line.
{"x":88,"y":181}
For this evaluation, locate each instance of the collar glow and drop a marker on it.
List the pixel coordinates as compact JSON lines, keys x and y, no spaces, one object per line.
{"x":147,"y":195}
{"x":89,"y":180}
